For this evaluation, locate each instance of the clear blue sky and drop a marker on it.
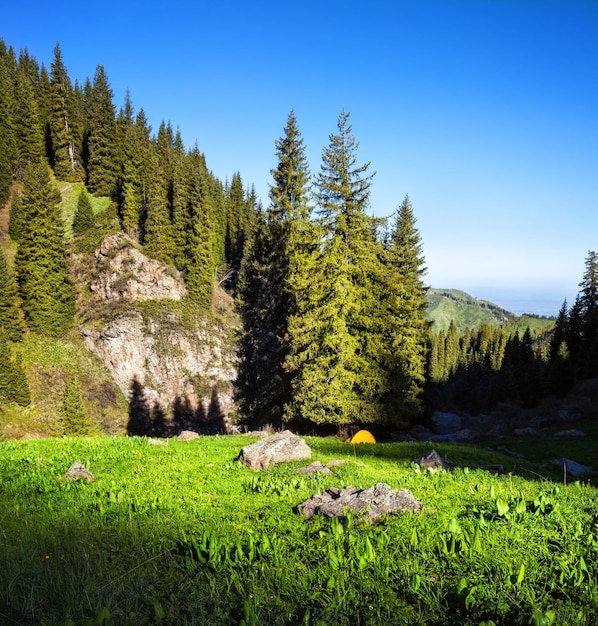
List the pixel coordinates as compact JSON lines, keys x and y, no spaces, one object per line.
{"x":484,"y":112}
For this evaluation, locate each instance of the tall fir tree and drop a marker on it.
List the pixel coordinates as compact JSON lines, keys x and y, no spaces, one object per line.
{"x":269,"y":273}
{"x":46,"y":290}
{"x":200,"y":264}
{"x":101,"y":145}
{"x":8,"y":136}
{"x":158,"y":233}
{"x":331,"y":370}
{"x":403,"y":319}
{"x":29,"y":129}
{"x":66,"y":154}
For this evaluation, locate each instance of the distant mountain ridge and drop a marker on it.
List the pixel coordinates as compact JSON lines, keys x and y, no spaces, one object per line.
{"x":466,"y":311}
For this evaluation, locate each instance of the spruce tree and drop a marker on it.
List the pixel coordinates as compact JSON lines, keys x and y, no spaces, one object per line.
{"x":588,"y":301}
{"x":269,"y":283}
{"x":83,"y":219}
{"x":158,"y":234}
{"x":401,"y":318}
{"x":66,"y":155}
{"x":333,"y":376}
{"x":8,"y":137}
{"x":200,"y":262}
{"x":47,"y":293}
{"x":102,"y":148}
{"x":11,"y":324}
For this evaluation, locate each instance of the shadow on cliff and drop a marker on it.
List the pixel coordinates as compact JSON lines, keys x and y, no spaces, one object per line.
{"x":150,"y":420}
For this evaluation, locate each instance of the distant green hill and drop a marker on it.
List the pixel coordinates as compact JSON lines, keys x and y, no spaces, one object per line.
{"x":466,"y":311}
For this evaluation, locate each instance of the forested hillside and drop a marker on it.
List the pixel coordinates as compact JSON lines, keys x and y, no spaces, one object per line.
{"x":333,"y":302}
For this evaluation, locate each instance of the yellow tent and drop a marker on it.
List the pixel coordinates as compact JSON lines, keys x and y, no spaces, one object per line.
{"x":362,"y":436}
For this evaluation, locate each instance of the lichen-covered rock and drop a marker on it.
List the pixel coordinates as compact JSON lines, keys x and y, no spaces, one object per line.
{"x":380,"y":499}
{"x":278,"y":448}
{"x":125,"y":272}
{"x":77,"y":470}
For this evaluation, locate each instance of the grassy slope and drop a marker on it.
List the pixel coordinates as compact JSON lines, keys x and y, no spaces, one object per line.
{"x":184,"y":534}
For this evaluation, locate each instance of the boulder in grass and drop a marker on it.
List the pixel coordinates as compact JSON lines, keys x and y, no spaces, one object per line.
{"x":313,"y":468}
{"x":380,"y":499}
{"x":77,"y":470}
{"x":278,"y":448}
{"x":432,"y":460}
{"x":188,"y":435}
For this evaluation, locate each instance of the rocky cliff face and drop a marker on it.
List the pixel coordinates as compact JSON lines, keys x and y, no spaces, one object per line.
{"x":159,"y":362}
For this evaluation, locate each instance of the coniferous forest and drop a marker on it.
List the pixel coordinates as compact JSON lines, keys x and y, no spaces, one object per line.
{"x":332,"y":300}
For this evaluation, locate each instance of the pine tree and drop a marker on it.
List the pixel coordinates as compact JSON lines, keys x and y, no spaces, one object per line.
{"x":75,"y":418}
{"x":158,"y":233}
{"x":332,"y":372}
{"x":83,"y":219}
{"x":200,"y":262}
{"x":269,"y":283}
{"x":402,"y":320}
{"x":8,"y":138}
{"x":47,"y":293}
{"x":588,"y":301}
{"x":136,"y":176}
{"x":102,"y":148}
{"x":65,"y":153}
{"x":29,"y":130}
{"x":11,"y":324}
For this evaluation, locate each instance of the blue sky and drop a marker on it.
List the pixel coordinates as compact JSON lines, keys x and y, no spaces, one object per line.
{"x":484,"y":112}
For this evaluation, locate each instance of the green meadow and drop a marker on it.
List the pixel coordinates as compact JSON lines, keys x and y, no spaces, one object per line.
{"x":185,"y":534}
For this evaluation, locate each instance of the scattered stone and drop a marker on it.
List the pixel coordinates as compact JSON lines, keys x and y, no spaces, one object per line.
{"x":280,"y":447}
{"x":188,"y":435}
{"x":314,"y":467}
{"x":362,"y":436}
{"x":572,"y":432}
{"x":380,"y":499}
{"x":78,"y":470}
{"x":157,"y":442}
{"x":432,"y":460}
{"x":573,"y":468}
{"x":336,"y":463}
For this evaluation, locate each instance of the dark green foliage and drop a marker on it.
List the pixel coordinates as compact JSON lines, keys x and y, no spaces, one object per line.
{"x":8,"y":137}
{"x":66,"y":157}
{"x":334,"y":378}
{"x":401,"y":325}
{"x":135,"y":180}
{"x":83,"y":219}
{"x":269,"y":284}
{"x":47,"y":293}
{"x":101,"y":145}
{"x":11,"y":324}
{"x":75,"y":418}
{"x":28,"y":126}
{"x":13,"y":380}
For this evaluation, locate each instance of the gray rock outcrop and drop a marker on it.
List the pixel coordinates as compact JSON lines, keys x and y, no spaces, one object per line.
{"x":167,"y":360}
{"x":380,"y":499}
{"x":278,"y":448}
